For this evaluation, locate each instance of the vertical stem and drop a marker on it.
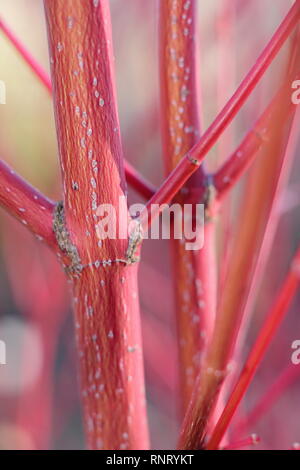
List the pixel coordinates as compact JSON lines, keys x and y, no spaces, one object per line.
{"x":281,"y":384}
{"x":194,"y":271}
{"x":105,"y":290}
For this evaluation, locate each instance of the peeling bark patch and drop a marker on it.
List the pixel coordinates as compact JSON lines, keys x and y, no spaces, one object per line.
{"x":135,"y":239}
{"x":64,"y":242}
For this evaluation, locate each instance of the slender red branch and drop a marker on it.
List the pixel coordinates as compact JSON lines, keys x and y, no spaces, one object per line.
{"x":247,"y":442}
{"x":226,"y":21}
{"x":226,"y":65}
{"x":267,"y":333}
{"x":137,"y":181}
{"x":28,"y":58}
{"x":258,"y":217}
{"x":27,"y":204}
{"x":192,"y":160}
{"x":104,"y":285}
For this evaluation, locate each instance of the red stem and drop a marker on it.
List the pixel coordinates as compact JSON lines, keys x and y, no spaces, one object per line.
{"x":28,"y":58}
{"x":248,"y":441}
{"x":138,"y":182}
{"x":27,"y":204}
{"x":191,"y":161}
{"x":267,"y":333}
{"x":194,"y":271}
{"x":105,"y":295}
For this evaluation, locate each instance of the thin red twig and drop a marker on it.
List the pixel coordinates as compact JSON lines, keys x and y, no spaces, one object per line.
{"x":27,"y":204}
{"x":194,"y":271}
{"x":137,"y":181}
{"x":231,"y":309}
{"x":191,"y":161}
{"x":226,"y":177}
{"x":267,"y":333}
{"x":104,"y":284}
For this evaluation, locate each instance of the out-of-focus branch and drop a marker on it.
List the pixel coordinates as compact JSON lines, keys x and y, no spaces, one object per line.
{"x":104,"y":284}
{"x":192,"y":160}
{"x":286,"y":378}
{"x":28,"y":58}
{"x":194,"y":271}
{"x":27,"y":204}
{"x":226,"y":177}
{"x":138,"y":182}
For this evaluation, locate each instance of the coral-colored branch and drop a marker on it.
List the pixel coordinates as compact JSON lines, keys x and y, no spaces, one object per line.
{"x":226,"y":64}
{"x":106,"y":305}
{"x":286,"y":378}
{"x":254,"y":219}
{"x":267,"y":333}
{"x":194,"y":271}
{"x":137,"y":181}
{"x":192,"y":160}
{"x":27,"y":204}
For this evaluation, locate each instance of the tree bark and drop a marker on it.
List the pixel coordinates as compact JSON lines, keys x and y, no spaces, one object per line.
{"x":104,"y":285}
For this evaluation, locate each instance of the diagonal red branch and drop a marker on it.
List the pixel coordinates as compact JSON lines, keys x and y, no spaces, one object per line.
{"x":138,"y":182}
{"x":267,"y":333}
{"x":239,"y":161}
{"x":104,"y":283}
{"x":27,"y":204}
{"x":191,"y":161}
{"x":194,"y":276}
{"x":134,"y":178}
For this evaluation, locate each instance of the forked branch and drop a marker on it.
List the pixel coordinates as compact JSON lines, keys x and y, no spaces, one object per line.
{"x":192,"y":160}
